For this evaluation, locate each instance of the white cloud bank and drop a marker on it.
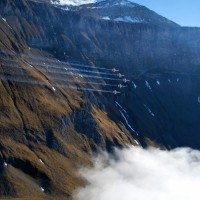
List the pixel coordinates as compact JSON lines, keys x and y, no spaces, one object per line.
{"x":137,"y":174}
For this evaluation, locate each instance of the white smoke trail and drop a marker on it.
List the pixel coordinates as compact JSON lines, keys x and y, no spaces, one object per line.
{"x":64,"y":68}
{"x":36,"y":82}
{"x":57,"y":65}
{"x":62,"y":62}
{"x":84,"y":75}
{"x":70,"y":73}
{"x":82,"y":65}
{"x":138,"y":174}
{"x":58,"y":78}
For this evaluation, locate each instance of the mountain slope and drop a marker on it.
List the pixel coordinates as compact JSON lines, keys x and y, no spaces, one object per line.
{"x":43,"y":136}
{"x":48,"y":131}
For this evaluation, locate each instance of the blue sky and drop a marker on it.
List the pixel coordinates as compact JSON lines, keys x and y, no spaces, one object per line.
{"x":183,"y":12}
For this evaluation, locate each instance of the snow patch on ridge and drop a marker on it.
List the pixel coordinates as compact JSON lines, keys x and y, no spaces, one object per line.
{"x":158,"y":82}
{"x":41,"y":161}
{"x":127,"y":121}
{"x":106,"y":18}
{"x":123,"y":113}
{"x":120,"y":107}
{"x":135,"y":86}
{"x":198,"y":99}
{"x":5,"y":164}
{"x":126,"y":19}
{"x":149,"y":110}
{"x":129,"y":19}
{"x":148,"y":85}
{"x":54,"y":89}
{"x":4,"y":19}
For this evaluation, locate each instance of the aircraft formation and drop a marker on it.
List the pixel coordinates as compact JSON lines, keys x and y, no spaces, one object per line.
{"x":67,"y":75}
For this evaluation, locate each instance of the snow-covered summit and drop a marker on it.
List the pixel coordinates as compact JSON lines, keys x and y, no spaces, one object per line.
{"x":71,"y":2}
{"x":99,"y":3}
{"x":114,"y":10}
{"x":122,"y":11}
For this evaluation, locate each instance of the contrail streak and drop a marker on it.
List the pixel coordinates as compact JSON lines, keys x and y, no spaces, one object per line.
{"x":67,"y":63}
{"x":83,"y":82}
{"x":33,"y":82}
{"x":73,"y":69}
{"x":71,"y":74}
{"x":38,"y":66}
{"x":84,"y":75}
{"x":61,"y":67}
{"x":54,"y":78}
{"x":82,"y":65}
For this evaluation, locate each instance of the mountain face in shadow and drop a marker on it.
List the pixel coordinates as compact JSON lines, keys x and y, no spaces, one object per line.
{"x":52,"y":120}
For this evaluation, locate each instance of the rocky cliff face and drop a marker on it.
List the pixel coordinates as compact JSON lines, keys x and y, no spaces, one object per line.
{"x":48,"y":131}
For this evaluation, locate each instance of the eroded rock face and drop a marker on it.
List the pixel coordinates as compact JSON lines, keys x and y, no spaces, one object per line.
{"x":47,"y":132}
